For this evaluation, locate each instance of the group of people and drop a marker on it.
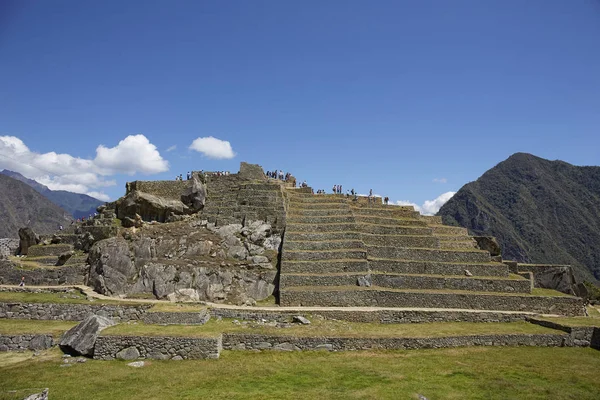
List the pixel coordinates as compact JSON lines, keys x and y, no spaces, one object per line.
{"x":215,"y":173}
{"x":180,"y":176}
{"x":337,"y":189}
{"x":279,"y":175}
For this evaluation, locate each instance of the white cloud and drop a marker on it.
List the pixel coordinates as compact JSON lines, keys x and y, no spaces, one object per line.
{"x":429,"y":207}
{"x":212,"y":147}
{"x":99,"y":195}
{"x":172,"y":148}
{"x":133,"y":154}
{"x":65,"y":172}
{"x":440,"y":180}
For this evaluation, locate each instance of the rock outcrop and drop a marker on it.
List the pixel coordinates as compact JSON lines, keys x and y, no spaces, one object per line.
{"x":195,"y":195}
{"x":80,"y":339}
{"x":27,"y":238}
{"x":189,"y":261}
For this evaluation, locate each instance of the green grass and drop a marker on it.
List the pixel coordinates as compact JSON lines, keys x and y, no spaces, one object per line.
{"x":24,"y":326}
{"x":74,"y":297}
{"x":464,"y":373}
{"x":574,"y":321}
{"x":176,"y":307}
{"x":329,"y":328}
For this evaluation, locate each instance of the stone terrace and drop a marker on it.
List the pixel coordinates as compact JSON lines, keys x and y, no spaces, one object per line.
{"x":338,"y":251}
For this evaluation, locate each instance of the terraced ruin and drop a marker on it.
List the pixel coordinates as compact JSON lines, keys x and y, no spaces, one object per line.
{"x":301,"y":271}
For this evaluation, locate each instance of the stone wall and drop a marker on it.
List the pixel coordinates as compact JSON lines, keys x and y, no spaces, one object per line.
{"x":166,"y":189}
{"x":156,"y":347}
{"x":177,"y":318}
{"x":376,"y":316}
{"x":70,"y":312}
{"x":581,"y":336}
{"x":10,"y":274}
{"x":568,"y":306}
{"x":291,"y":343}
{"x":25,"y":342}
{"x":8,"y":247}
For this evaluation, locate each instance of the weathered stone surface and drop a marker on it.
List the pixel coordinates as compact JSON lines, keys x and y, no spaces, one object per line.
{"x":488,"y":243}
{"x":38,"y":396}
{"x":128,"y":353}
{"x":195,"y":195}
{"x":302,"y":320}
{"x":557,"y":278}
{"x":184,"y":295}
{"x":81,"y":338}
{"x":136,"y":364}
{"x":25,"y":342}
{"x":159,"y":347}
{"x":64,"y":257}
{"x":148,"y":206}
{"x":252,"y":172}
{"x":364,"y":281}
{"x":27,"y":238}
{"x":110,"y":266}
{"x":40,"y":342}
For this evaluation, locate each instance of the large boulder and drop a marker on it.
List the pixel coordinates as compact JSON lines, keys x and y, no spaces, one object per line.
{"x":488,"y":243}
{"x":111,"y":266}
{"x":149,"y":207}
{"x":557,"y":278}
{"x":80,"y":339}
{"x":27,"y":238}
{"x":195,"y":195}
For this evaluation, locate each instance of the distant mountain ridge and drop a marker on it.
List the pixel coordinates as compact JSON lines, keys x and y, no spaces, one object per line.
{"x":540,"y":211}
{"x":21,"y":205}
{"x":78,"y":205}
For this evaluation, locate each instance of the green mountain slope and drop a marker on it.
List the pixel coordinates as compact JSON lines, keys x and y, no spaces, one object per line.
{"x":78,"y":205}
{"x":541,"y":211}
{"x":20,"y":204}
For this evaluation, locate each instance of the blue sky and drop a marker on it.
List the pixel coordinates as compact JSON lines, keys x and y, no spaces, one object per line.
{"x":410,"y":98}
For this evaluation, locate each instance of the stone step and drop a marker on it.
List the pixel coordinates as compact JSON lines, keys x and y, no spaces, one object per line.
{"x":389,"y":221}
{"x":330,"y":219}
{"x":322,"y":245}
{"x":432,"y":219}
{"x":422,"y":254}
{"x":261,"y":186}
{"x":318,"y":212}
{"x":455,"y":244}
{"x":422,"y":241}
{"x":344,"y":296}
{"x":324,"y":266}
{"x":400,"y":281}
{"x":453,"y":238}
{"x":448,"y":230}
{"x":356,"y":254}
{"x":386,"y":212}
{"x":316,"y":199}
{"x":298,"y":227}
{"x":319,"y":236}
{"x":48,"y":250}
{"x":438,"y":268}
{"x":394,"y":230}
{"x":318,"y":206}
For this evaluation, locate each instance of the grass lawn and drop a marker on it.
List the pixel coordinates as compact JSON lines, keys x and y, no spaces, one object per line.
{"x":333,"y":329}
{"x":74,"y":297}
{"x":464,"y":373}
{"x":24,"y":326}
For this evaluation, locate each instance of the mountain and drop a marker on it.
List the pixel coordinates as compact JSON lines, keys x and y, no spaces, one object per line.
{"x":78,"y":205}
{"x":540,"y":211}
{"x":20,"y":204}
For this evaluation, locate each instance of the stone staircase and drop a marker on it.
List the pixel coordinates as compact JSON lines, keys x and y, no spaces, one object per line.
{"x":338,"y":251}
{"x":231,"y":200}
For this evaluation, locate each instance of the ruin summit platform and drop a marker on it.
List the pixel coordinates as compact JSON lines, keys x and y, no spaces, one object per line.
{"x":243,"y":238}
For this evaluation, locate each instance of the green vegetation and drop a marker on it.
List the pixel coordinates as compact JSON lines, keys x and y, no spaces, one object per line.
{"x":74,"y":297}
{"x":320,"y":327}
{"x":464,"y":373}
{"x":23,"y":326}
{"x":166,"y":306}
{"x":540,"y":211}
